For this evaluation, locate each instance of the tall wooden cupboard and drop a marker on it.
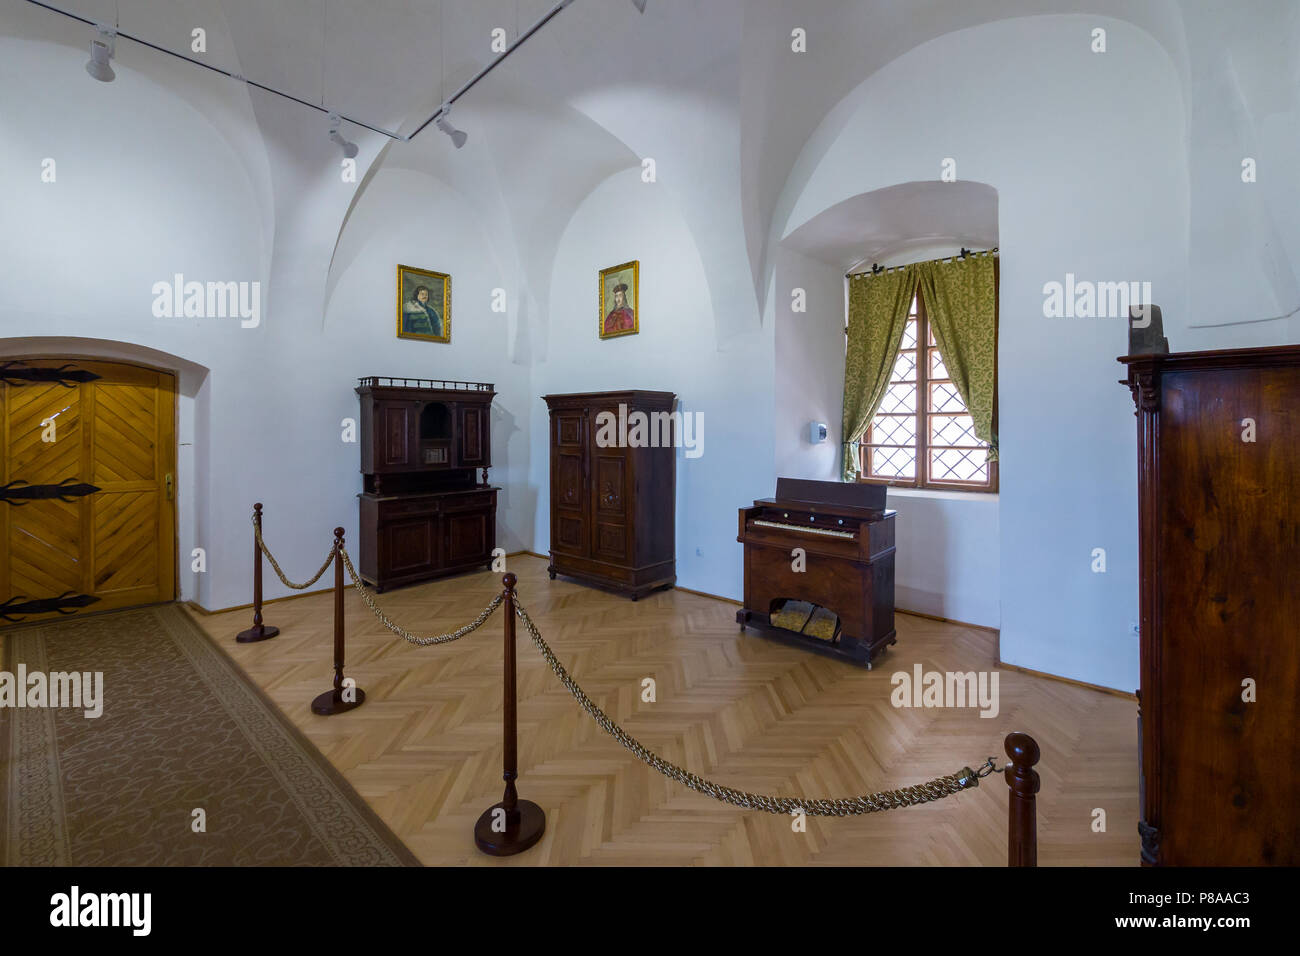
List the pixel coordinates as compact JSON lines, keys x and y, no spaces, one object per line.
{"x":613,"y":490}
{"x":1219,"y":546}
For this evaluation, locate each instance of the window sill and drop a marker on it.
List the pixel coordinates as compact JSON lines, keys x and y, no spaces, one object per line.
{"x":941,"y":495}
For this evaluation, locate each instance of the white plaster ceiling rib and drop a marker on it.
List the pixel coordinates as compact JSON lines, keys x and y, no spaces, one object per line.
{"x":666,"y":85}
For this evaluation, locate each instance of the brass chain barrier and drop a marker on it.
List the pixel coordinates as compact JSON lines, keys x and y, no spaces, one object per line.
{"x":935,"y":789}
{"x":257,"y":533}
{"x":400,"y":631}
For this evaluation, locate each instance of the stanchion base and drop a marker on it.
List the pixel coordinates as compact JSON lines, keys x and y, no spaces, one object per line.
{"x":332,"y":702}
{"x":524,"y":828}
{"x":258,"y":632}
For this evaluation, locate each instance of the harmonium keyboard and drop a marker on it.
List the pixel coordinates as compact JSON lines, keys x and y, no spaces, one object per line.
{"x":819,"y":568}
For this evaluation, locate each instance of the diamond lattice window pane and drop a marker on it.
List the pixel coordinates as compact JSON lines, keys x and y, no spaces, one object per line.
{"x":904,"y":368}
{"x":893,"y":462}
{"x":944,"y":398}
{"x":893,"y":430}
{"x":937,"y":368}
{"x":953,"y":430}
{"x":959,"y":465}
{"x":909,"y":335}
{"x":899,"y":398}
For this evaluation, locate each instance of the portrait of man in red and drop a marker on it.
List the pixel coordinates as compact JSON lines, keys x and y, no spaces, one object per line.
{"x":618,"y":300}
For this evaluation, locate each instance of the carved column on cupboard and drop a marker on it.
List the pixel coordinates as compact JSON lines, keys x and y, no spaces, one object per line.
{"x":424,"y":514}
{"x":613,"y":505}
{"x":1218,"y":537}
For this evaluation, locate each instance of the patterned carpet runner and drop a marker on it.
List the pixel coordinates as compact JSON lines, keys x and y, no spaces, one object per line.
{"x":182,"y":730}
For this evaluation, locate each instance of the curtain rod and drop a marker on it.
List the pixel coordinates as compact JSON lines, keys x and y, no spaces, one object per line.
{"x":877,"y":269}
{"x":445,"y":107}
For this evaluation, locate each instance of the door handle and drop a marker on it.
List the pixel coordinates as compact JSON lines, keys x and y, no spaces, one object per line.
{"x":169,"y":482}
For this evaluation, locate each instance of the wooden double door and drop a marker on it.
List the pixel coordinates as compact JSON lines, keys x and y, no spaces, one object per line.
{"x":87,"y":487}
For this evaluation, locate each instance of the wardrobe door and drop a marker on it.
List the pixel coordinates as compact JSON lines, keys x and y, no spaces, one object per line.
{"x":570,"y":500}
{"x":611,"y":490}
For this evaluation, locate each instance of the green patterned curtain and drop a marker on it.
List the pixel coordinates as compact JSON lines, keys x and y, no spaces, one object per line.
{"x":961,"y":306}
{"x":878,"y":307}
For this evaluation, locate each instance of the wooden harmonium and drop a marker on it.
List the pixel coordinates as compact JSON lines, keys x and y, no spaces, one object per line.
{"x":819,"y":568}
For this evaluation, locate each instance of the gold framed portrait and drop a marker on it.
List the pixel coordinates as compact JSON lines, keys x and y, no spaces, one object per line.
{"x":423,"y":304}
{"x":620,"y":287}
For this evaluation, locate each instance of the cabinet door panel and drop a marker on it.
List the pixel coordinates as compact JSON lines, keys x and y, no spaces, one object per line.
{"x":570,"y":499}
{"x":611,"y":484}
{"x":610,"y":537}
{"x":473,"y":449}
{"x":467,"y":538}
{"x":611,"y":541}
{"x":395,"y":434}
{"x":410,"y":546}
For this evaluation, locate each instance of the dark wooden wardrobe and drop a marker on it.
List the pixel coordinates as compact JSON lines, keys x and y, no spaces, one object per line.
{"x":613,"y":505}
{"x":424,"y":513}
{"x":1219,"y":546}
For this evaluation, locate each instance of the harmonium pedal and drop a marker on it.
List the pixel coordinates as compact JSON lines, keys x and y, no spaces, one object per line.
{"x":819,"y":568}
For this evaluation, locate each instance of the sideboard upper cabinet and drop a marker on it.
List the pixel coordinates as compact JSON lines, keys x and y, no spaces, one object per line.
{"x":405,"y":428}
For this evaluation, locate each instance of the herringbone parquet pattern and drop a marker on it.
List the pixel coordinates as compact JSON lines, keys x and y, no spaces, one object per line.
{"x":425,"y":749}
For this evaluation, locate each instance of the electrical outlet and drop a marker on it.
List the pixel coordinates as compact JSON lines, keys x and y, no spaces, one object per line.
{"x":699,"y":552}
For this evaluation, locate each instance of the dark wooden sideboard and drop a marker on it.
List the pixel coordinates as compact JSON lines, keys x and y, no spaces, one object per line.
{"x":613,"y":507}
{"x":1219,"y":543}
{"x":424,"y":512}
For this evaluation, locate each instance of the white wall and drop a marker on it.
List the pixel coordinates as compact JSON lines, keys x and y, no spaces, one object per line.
{"x":675,"y":351}
{"x":1069,"y":197}
{"x":947,"y":564}
{"x":808,"y":373}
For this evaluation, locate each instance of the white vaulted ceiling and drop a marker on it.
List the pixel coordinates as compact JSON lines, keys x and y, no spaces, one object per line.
{"x":708,"y":88}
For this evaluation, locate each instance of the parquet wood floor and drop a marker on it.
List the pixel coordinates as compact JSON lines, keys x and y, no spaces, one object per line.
{"x":425,"y":749}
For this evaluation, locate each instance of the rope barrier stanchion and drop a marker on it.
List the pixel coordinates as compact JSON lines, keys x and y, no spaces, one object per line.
{"x":513,"y":825}
{"x":1022,"y":817}
{"x":339,"y":700}
{"x":259,"y":631}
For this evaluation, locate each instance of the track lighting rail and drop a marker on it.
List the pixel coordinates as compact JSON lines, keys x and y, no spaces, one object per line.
{"x":399,"y":137}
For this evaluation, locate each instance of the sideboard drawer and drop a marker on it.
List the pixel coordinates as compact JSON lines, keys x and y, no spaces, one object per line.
{"x":410,"y":506}
{"x":467,"y":502}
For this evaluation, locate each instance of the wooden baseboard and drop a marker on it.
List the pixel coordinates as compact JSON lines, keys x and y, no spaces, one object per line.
{"x":947,"y":620}
{"x":246,"y":607}
{"x":1065,"y":680}
{"x":676,"y":587}
{"x":716,"y":597}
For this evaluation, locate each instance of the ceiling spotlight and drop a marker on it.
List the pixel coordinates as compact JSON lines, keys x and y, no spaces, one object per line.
{"x":101,"y":51}
{"x":458,"y":137}
{"x":349,"y":148}
{"x":640,"y":5}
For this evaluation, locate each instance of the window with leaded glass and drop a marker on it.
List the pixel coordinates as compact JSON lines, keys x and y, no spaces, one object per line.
{"x":923,"y":436}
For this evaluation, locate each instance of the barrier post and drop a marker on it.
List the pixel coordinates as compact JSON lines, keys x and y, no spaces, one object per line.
{"x":1022,"y":820}
{"x":513,"y":825}
{"x":332,"y":701}
{"x":259,"y":631}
